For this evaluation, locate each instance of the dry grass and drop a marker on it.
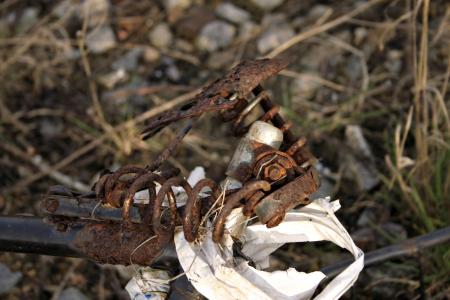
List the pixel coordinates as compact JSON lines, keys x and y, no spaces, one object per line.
{"x":424,"y":178}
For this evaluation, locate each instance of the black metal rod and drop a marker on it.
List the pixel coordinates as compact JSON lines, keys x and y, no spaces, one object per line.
{"x":27,"y":234}
{"x":33,"y":235}
{"x":407,"y":247}
{"x":72,"y":207}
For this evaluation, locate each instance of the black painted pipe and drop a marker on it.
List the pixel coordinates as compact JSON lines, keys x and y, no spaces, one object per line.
{"x":56,"y":205}
{"x":407,"y":247}
{"x":33,"y":235}
{"x":26,"y":234}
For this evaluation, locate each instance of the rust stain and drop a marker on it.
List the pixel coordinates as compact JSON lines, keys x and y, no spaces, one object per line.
{"x":114,"y":243}
{"x":50,"y":205}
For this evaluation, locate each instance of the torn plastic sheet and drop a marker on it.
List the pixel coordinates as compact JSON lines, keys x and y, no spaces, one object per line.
{"x":149,"y":283}
{"x":216,"y":274}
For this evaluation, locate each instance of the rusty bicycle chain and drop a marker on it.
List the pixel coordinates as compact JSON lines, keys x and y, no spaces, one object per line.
{"x":278,"y":180}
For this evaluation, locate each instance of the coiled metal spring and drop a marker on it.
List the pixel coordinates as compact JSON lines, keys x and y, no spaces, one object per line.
{"x":119,"y":189}
{"x":271,"y":114}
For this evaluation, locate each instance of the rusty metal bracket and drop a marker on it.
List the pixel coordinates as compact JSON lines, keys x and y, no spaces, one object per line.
{"x":272,"y":171}
{"x":272,"y":209}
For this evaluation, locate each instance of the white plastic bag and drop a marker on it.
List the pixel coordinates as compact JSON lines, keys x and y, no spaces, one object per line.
{"x":216,"y":274}
{"x":149,"y":283}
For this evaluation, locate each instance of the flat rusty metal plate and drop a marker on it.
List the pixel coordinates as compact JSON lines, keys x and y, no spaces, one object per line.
{"x":240,"y":81}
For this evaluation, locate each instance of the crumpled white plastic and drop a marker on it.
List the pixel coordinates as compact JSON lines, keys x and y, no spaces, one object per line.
{"x":149,"y":283}
{"x":216,"y":274}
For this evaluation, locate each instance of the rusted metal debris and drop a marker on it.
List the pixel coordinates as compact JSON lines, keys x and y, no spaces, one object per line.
{"x":275,"y":180}
{"x":114,"y":243}
{"x":272,"y":209}
{"x":223,"y":94}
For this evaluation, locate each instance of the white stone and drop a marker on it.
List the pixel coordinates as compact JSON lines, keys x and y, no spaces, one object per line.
{"x":357,"y":141}
{"x":274,"y":37}
{"x":129,"y":61}
{"x":175,"y":9}
{"x":318,"y":11}
{"x":151,"y":54}
{"x":273,"y":19}
{"x":232,"y":13}
{"x":8,"y":279}
{"x":248,"y":29}
{"x":360,"y":34}
{"x":304,"y":87}
{"x":110,"y":80}
{"x":97,"y":12}
{"x":359,"y":162}
{"x":72,"y":293}
{"x":215,"y":35}
{"x":161,"y":36}
{"x":267,"y":5}
{"x":177,"y":4}
{"x":101,"y":39}
{"x":65,"y":8}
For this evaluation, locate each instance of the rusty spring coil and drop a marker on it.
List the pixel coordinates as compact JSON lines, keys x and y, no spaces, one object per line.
{"x":271,"y":114}
{"x":230,"y":97}
{"x":118,"y":192}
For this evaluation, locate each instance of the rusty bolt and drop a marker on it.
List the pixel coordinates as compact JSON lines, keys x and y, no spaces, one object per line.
{"x":274,"y":172}
{"x":51,"y":205}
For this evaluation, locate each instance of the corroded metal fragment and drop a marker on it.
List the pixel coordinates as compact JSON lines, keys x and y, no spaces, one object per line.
{"x":273,"y":169}
{"x":115,"y":243}
{"x":222,"y":94}
{"x":272,"y":209}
